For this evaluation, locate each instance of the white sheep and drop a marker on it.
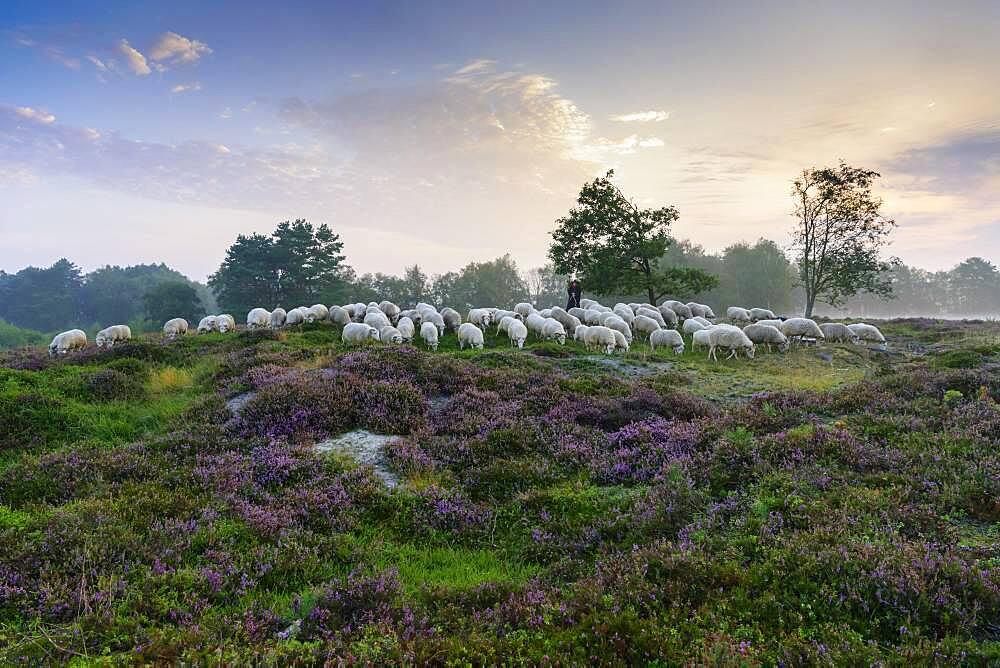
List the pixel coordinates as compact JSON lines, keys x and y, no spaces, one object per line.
{"x":621,"y":342}
{"x":667,"y":338}
{"x":653,"y":313}
{"x":775,"y":322}
{"x":730,"y":338}
{"x":591,"y":316}
{"x":577,"y":312}
{"x":406,"y":328}
{"x":391,"y":310}
{"x":680,"y":308}
{"x":358,"y":311}
{"x":838,"y":332}
{"x":317,"y":313}
{"x":225,"y":323}
{"x":697,"y":310}
{"x":472,"y":336}
{"x":669,"y":315}
{"x":296,"y":316}
{"x":796,"y":328}
{"x":390,"y":334}
{"x":866,"y":332}
{"x":480,"y":316}
{"x":768,"y":335}
{"x":258,"y":318}
{"x":429,"y":333}
{"x":504,"y":323}
{"x":624,"y":312}
{"x":175,"y":327}
{"x":553,"y":330}
{"x":73,"y":339}
{"x":376,"y":319}
{"x":601,"y":338}
{"x":109,"y":336}
{"x":517,"y":332}
{"x":761,"y":314}
{"x":737,"y":314}
{"x":535,"y":324}
{"x":704,"y":321}
{"x":452,"y":318}
{"x":619,"y":325}
{"x":690,"y":326}
{"x":205,"y":325}
{"x":700,"y":339}
{"x":340,"y":315}
{"x":568,"y":321}
{"x":277,"y":318}
{"x":587,"y":303}
{"x":358,"y":332}
{"x":523,"y":309}
{"x":644,"y":325}
{"x":437,"y":319}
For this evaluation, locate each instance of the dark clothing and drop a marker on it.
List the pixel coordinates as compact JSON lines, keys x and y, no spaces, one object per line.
{"x":574,"y":291}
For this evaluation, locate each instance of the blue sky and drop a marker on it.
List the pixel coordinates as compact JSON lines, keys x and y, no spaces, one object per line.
{"x":442,"y":133}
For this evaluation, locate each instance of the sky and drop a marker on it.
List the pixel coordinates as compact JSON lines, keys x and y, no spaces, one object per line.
{"x":443,"y":133}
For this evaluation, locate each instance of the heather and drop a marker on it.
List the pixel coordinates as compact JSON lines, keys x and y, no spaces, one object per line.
{"x":552,"y":509}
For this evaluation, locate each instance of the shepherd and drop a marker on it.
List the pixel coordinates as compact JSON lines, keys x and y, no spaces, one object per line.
{"x":573,"y":290}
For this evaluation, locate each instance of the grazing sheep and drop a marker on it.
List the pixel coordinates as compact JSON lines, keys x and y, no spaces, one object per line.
{"x":651,"y":313}
{"x":592,"y":316}
{"x":296,"y":316}
{"x":73,"y":339}
{"x":644,"y":325}
{"x":391,"y":310}
{"x":768,"y":335}
{"x":109,"y":336}
{"x":452,"y":318}
{"x":517,"y":332}
{"x":668,"y":315}
{"x":737,"y":314}
{"x":796,"y":328}
{"x":358,"y":311}
{"x":600,"y":338}
{"x":505,"y":323}
{"x":500,"y":314}
{"x":437,"y":320}
{"x":205,"y":325}
{"x":225,"y":323}
{"x":429,"y":333}
{"x":587,"y":303}
{"x":838,"y":332}
{"x":667,"y":338}
{"x":579,"y":333}
{"x":545,"y":313}
{"x":358,"y":332}
{"x":390,"y":334}
{"x":535,"y":324}
{"x":621,"y":342}
{"x":257,"y":318}
{"x":690,"y":326}
{"x":523,"y":309}
{"x":761,"y":314}
{"x":775,"y":322}
{"x":700,"y":339}
{"x":176,"y":327}
{"x":704,"y":321}
{"x":866,"y":332}
{"x":376,"y":319}
{"x":317,"y":313}
{"x":730,"y":338}
{"x":472,"y":336}
{"x":339,"y":315}
{"x":480,"y":317}
{"x":568,"y":321}
{"x":697,"y":310}
{"x":406,"y":328}
{"x":680,"y":308}
{"x":277,"y":318}
{"x":709,"y":313}
{"x":617,"y":324}
{"x":553,"y":330}
{"x":577,"y":313}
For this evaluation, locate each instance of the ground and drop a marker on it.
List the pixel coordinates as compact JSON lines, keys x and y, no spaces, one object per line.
{"x":831,"y":505}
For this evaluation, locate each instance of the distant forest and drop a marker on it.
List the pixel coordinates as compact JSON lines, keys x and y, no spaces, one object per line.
{"x":259,"y":271}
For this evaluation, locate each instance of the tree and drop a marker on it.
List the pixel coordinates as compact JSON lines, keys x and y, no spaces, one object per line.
{"x":545,"y":286}
{"x":496,"y":282}
{"x":114,"y":295}
{"x":173,"y":299}
{"x":43,"y":299}
{"x":248,"y":276}
{"x":839,"y":234}
{"x":975,"y":287}
{"x":613,"y":245}
{"x":757,"y":275}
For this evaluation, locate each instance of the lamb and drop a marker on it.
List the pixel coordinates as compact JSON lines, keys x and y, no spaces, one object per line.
{"x":480,"y":316}
{"x":376,"y":319}
{"x":600,"y":337}
{"x":761,"y":314}
{"x":690,"y":326}
{"x":277,"y":318}
{"x":406,"y":328}
{"x":523,"y":309}
{"x":667,"y":337}
{"x":621,"y":342}
{"x":866,"y":332}
{"x":391,"y":310}
{"x":517,"y":332}
{"x":535,"y":324}
{"x":390,"y":335}
{"x":177,"y":327}
{"x":730,"y":338}
{"x":429,"y":333}
{"x":644,"y":325}
{"x":295,"y":317}
{"x":205,"y":325}
{"x":700,"y":338}
{"x":737,"y":314}
{"x":668,"y":315}
{"x":798,"y":327}
{"x":552,"y":329}
{"x":838,"y":332}
{"x":257,"y":318}
{"x":109,"y":336}
{"x":767,"y":334}
{"x":472,"y":336}
{"x":73,"y":339}
{"x":452,"y":318}
{"x":339,"y":315}
{"x":317,"y":313}
{"x":225,"y":323}
{"x":358,"y":332}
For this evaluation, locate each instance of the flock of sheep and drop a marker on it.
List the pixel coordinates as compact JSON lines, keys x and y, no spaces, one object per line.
{"x":597,"y":326}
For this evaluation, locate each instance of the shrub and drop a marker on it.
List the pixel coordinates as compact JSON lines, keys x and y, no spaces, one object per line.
{"x":958,"y":359}
{"x":112,"y":385}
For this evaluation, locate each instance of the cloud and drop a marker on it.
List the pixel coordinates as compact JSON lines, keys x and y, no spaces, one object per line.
{"x":56,"y":54}
{"x":175,"y":49}
{"x":98,"y":63}
{"x":226,"y":113}
{"x":181,"y":88}
{"x":133,"y":58}
{"x":37,"y":115}
{"x":642,"y":117}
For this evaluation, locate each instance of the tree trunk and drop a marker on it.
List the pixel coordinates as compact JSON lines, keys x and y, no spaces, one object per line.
{"x":652,"y":297}
{"x":810,"y":302}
